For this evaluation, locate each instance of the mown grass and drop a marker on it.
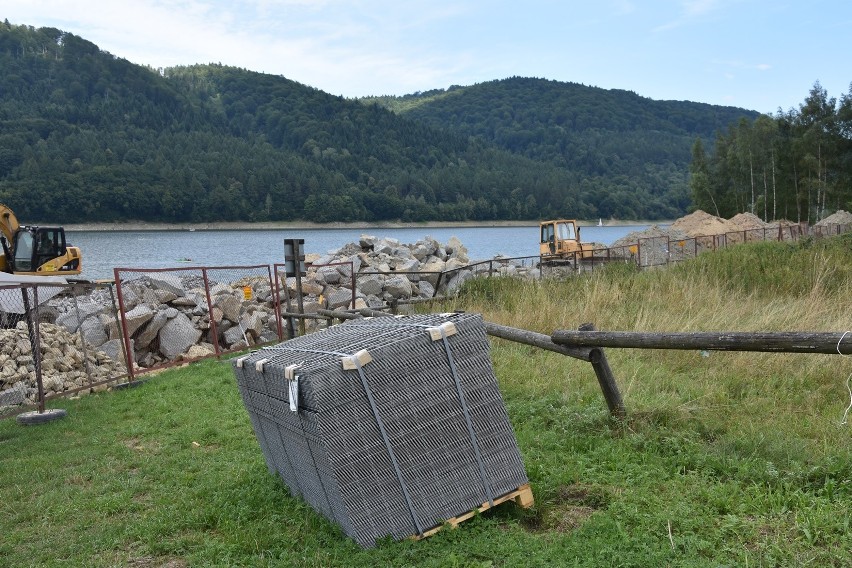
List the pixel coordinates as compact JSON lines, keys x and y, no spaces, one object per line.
{"x":727,"y":460}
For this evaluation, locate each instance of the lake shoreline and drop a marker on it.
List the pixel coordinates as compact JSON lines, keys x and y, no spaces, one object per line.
{"x":306,"y":225}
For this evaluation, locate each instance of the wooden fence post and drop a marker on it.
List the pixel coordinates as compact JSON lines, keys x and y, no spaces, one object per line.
{"x":605,"y":378}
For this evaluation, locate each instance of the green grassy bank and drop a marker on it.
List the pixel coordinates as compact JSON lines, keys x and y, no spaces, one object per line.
{"x":734,"y":459}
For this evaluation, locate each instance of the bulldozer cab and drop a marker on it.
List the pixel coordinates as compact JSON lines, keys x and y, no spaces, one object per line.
{"x":559,"y":237}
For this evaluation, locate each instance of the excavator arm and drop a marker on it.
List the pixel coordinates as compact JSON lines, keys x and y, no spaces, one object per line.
{"x":8,"y":227}
{"x":8,"y":222}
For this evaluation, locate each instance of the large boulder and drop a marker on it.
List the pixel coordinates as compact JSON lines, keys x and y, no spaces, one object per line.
{"x":408,"y":265}
{"x":455,"y":249}
{"x":328,"y":275}
{"x":177,"y":335}
{"x":137,"y":317}
{"x":220,"y":288}
{"x":398,"y":287}
{"x":13,"y":396}
{"x":200,"y":350}
{"x":455,"y":282}
{"x":72,"y":319}
{"x":338,"y":298}
{"x":168,"y":283}
{"x":152,"y":329}
{"x":425,"y":289}
{"x":386,"y":245}
{"x":234,"y":336}
{"x":371,"y":284}
{"x":93,"y":332}
{"x":252,"y":324}
{"x":229,"y":305}
{"x":114,"y":349}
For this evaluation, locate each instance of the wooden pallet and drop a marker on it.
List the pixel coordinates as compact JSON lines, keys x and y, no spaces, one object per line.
{"x":522,"y":496}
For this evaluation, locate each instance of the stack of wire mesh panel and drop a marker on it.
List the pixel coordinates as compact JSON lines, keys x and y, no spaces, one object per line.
{"x":387,"y":426}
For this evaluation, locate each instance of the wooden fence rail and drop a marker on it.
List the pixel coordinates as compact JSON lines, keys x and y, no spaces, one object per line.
{"x":587,"y":343}
{"x":777,"y":342}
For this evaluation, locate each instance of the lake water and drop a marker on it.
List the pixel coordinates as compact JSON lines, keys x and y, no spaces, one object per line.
{"x":105,"y":250}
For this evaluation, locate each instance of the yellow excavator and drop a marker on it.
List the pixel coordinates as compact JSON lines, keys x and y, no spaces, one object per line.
{"x":560,"y":243}
{"x":36,"y":251}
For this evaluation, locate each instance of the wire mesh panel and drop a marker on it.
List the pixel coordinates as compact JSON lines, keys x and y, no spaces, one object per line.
{"x":177,"y":314}
{"x":387,"y":426}
{"x":75,"y":354}
{"x":244,"y":307}
{"x":653,"y":251}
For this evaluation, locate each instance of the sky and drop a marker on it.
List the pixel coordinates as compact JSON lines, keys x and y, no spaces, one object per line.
{"x":762,"y":55}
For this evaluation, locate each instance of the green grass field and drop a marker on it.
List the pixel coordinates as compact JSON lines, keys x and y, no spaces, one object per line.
{"x":734,"y":459}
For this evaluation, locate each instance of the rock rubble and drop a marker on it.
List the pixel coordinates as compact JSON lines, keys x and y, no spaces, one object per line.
{"x":64,"y":361}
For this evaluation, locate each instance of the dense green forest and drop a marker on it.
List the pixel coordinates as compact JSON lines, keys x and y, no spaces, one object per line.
{"x":629,"y":154}
{"x":795,"y":165}
{"x":86,"y":136}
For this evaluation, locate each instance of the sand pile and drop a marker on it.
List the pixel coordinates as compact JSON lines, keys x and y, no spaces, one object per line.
{"x":747,"y":221}
{"x":700,"y":224}
{"x":841,"y":217}
{"x":652,"y":232}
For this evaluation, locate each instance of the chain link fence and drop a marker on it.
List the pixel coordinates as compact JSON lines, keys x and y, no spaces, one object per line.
{"x":53,"y":343}
{"x":174,"y":315}
{"x":61,"y":340}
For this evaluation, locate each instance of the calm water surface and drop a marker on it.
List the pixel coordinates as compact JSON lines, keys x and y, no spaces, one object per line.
{"x":103,"y":251}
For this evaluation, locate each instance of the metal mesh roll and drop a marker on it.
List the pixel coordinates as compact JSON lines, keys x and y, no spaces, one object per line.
{"x":411,"y":434}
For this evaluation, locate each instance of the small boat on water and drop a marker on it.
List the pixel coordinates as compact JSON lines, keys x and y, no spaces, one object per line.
{"x":600,"y":222}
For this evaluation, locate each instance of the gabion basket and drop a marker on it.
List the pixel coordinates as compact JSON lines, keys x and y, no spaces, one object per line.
{"x":387,"y":426}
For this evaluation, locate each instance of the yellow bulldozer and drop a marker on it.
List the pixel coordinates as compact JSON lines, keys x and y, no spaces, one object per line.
{"x":560,"y":243}
{"x":35,"y":251}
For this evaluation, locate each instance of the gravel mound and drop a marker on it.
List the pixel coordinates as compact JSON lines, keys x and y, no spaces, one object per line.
{"x":747,"y":221}
{"x":700,"y":223}
{"x":841,"y":217}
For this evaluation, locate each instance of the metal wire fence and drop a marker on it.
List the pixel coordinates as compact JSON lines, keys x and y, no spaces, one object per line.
{"x":663,"y":250}
{"x":60,"y":340}
{"x":54,"y":342}
{"x":174,"y":315}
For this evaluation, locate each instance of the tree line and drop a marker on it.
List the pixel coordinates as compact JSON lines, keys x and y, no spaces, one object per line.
{"x":86,"y":136}
{"x":795,"y":165}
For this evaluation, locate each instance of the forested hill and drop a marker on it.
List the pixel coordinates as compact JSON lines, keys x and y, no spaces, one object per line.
{"x":622,"y":146}
{"x":86,"y":136}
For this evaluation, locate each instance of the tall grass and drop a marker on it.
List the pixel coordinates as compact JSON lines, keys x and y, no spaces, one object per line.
{"x":733,"y":459}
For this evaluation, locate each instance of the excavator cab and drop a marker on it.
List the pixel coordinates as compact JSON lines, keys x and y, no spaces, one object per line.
{"x":38,"y":248}
{"x":38,"y":251}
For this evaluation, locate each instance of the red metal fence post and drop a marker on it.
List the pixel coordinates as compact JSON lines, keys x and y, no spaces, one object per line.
{"x":35,"y":343}
{"x":131,"y":372}
{"x":213,"y":330}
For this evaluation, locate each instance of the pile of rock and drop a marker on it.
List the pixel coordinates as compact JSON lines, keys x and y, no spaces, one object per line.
{"x":386,"y":271}
{"x":64,"y":364}
{"x":168,"y":317}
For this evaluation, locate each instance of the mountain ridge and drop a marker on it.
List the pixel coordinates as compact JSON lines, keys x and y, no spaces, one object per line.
{"x":88,"y":137}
